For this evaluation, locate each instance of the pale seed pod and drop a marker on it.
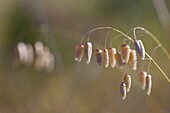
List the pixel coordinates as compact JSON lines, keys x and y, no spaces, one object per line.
{"x":123,"y":91}
{"x":79,"y":51}
{"x":142,"y":79}
{"x":88,"y":51}
{"x":39,"y":52}
{"x":106,"y":57}
{"x":22,"y":52}
{"x":125,"y":53}
{"x":112,"y":59}
{"x":98,"y":56}
{"x":39,"y":49}
{"x":148,"y":84}
{"x":133,"y":59}
{"x":30,"y":50}
{"x":118,"y":59}
{"x":49,"y":61}
{"x":128,"y":81}
{"x":140,"y":48}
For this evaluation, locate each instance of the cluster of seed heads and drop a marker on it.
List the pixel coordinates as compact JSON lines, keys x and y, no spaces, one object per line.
{"x":125,"y":85}
{"x":39,"y":56}
{"x":107,"y":56}
{"x":111,"y":56}
{"x":145,"y":81}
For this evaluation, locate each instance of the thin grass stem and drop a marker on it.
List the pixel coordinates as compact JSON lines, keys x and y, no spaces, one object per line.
{"x":105,"y":28}
{"x":161,"y":46}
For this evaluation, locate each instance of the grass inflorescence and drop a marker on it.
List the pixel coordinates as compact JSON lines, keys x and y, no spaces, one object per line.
{"x":122,"y":56}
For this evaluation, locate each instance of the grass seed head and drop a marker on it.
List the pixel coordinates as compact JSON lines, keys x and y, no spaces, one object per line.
{"x":23,"y":52}
{"x":142,"y":79}
{"x":112,"y":59}
{"x":148,"y":84}
{"x":98,"y":56}
{"x":88,"y":51}
{"x":106,"y":57}
{"x":125,"y":53}
{"x":79,"y":51}
{"x":140,"y":48}
{"x":118,"y":59}
{"x":123,"y":91}
{"x":128,"y":81}
{"x":133,"y":59}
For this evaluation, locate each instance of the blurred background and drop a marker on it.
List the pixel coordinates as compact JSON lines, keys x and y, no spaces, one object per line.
{"x":77,"y":87}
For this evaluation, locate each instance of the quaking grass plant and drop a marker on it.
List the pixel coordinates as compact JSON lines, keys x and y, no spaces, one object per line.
{"x":125,"y":56}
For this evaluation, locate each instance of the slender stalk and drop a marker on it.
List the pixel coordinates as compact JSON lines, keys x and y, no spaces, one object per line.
{"x":106,"y":28}
{"x":134,"y":33}
{"x":128,"y":37}
{"x":156,"y":40}
{"x":106,"y":39}
{"x":154,"y":50}
{"x":161,"y":46}
{"x":158,"y":67}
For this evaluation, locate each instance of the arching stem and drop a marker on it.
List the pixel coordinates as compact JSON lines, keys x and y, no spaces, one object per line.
{"x":106,"y":28}
{"x":161,"y":46}
{"x":156,"y":40}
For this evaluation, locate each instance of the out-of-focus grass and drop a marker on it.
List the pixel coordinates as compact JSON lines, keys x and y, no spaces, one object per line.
{"x":80,"y":88}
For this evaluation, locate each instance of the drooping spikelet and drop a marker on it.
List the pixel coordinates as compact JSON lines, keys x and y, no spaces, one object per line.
{"x":142,"y":79}
{"x":39,"y":53}
{"x":112,"y":59}
{"x":88,"y":51}
{"x":125,"y":53}
{"x":133,"y":59}
{"x":22,"y":52}
{"x":118,"y":59}
{"x":148,"y":84}
{"x":128,"y":81}
{"x":106,"y":57}
{"x":79,"y":51}
{"x":123,"y":91}
{"x":140,"y":48}
{"x":98,"y":56}
{"x":143,"y":50}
